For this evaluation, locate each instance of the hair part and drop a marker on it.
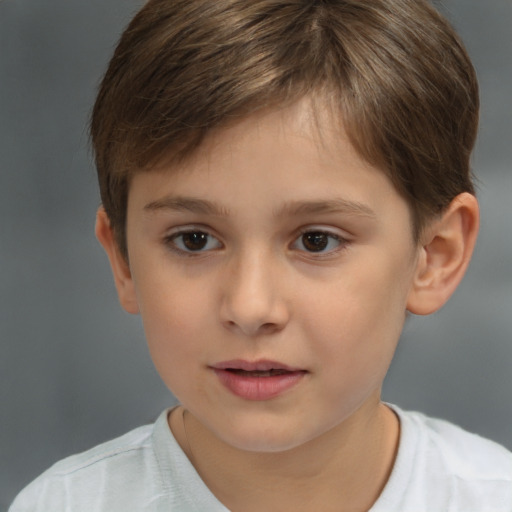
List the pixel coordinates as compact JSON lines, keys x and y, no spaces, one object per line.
{"x":394,"y":72}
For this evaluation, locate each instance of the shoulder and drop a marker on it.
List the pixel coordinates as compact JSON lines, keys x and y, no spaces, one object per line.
{"x":142,"y":470}
{"x":125,"y":447}
{"x":80,"y":476}
{"x":460,"y":453}
{"x":440,"y":466}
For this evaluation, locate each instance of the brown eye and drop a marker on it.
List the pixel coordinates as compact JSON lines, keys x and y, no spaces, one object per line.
{"x":195,"y":241}
{"x":321,"y":242}
{"x":192,"y":241}
{"x":315,"y":242}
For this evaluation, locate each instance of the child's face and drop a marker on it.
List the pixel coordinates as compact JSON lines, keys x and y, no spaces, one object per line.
{"x":272,"y":246}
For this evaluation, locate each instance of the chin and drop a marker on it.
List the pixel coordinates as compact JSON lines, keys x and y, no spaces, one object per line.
{"x":264,"y":439}
{"x":263,"y":445}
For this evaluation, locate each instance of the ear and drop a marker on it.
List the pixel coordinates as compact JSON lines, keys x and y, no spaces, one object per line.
{"x":444,"y":255}
{"x":120,"y":268}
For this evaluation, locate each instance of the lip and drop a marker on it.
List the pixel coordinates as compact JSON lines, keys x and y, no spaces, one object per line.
{"x":261,"y":365}
{"x":232,"y":374}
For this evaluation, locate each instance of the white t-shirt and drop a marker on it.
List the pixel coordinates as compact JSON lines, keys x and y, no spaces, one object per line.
{"x":439,"y":468}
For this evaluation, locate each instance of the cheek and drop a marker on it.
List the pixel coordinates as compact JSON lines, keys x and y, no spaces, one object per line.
{"x":174,"y":330}
{"x":175,"y":319}
{"x":168,"y":300}
{"x":356,"y":320}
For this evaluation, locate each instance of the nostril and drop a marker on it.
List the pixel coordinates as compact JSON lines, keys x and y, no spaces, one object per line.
{"x":253,"y":315}
{"x":269,"y":327}
{"x":253,"y":330}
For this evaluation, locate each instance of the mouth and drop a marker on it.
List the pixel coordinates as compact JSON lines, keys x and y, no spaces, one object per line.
{"x":259,"y":380}
{"x":257,"y":373}
{"x":262,"y":366}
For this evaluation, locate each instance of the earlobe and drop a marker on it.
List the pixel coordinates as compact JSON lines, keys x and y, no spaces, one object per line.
{"x":120,"y":268}
{"x":445,"y":253}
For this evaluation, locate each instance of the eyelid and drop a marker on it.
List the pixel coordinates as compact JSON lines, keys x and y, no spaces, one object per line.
{"x":337,"y":234}
{"x":328,"y":230}
{"x":341,"y":236}
{"x":175,"y":233}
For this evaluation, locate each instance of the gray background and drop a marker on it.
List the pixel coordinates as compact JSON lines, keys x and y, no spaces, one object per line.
{"x":74,"y":370}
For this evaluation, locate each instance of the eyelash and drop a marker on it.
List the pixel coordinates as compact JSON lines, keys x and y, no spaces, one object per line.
{"x":340,"y":240}
{"x":170,"y":242}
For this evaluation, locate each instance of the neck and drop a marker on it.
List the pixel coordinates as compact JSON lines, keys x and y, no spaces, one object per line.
{"x":344,"y":469}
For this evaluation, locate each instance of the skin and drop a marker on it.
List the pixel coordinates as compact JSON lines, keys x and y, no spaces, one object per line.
{"x":257,"y":291}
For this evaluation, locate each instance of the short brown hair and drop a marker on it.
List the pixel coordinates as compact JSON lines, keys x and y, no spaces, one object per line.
{"x":395,"y":70}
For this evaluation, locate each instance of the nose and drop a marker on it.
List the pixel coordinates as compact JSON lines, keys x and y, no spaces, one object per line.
{"x":253,"y":301}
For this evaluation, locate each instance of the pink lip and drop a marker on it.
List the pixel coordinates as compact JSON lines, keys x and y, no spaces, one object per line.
{"x":257,"y":387}
{"x":261,"y":365}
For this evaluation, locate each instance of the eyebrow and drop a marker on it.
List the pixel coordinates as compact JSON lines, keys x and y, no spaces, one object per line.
{"x":292,"y":208}
{"x":336,"y":205}
{"x":188,"y":204}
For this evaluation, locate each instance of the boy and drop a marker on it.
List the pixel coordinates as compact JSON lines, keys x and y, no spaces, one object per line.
{"x":282,"y":181}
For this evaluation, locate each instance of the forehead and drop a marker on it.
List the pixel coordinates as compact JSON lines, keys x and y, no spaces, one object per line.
{"x":306,"y":129}
{"x":290,"y":160}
